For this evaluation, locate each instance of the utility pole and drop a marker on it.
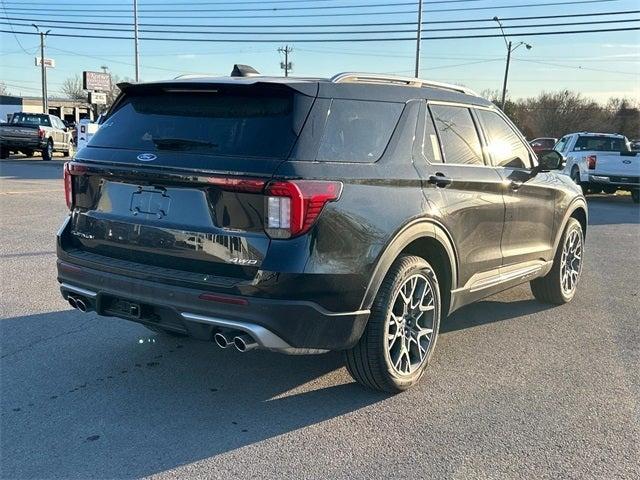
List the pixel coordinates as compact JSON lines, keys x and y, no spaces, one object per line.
{"x":506,"y":76}
{"x":43,"y":68}
{"x":510,"y":50}
{"x":418,"y":38}
{"x":135,"y":36}
{"x":286,"y":65}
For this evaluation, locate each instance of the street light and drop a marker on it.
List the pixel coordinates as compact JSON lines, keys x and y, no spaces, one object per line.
{"x":510,"y":48}
{"x":45,"y":102}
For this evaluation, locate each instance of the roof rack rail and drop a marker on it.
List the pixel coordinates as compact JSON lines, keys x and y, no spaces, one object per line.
{"x":346,"y":77}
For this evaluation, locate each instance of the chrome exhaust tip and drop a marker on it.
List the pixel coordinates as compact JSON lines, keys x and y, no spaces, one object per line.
{"x":222,"y":340}
{"x":72,"y":301}
{"x":81,"y":305}
{"x":244,"y":343}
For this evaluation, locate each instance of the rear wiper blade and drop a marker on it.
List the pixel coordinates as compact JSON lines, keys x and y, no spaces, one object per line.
{"x":180,"y":143}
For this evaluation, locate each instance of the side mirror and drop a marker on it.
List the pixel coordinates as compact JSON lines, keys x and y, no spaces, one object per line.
{"x":549,"y":160}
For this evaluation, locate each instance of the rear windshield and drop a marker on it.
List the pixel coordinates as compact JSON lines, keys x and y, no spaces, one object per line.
{"x":40,"y":120}
{"x":601,"y":144}
{"x":258,"y":124}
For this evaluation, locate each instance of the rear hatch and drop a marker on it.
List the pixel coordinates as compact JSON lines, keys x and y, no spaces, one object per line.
{"x":622,"y":164}
{"x":173,"y":180}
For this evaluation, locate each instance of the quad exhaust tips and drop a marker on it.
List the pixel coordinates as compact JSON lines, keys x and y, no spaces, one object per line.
{"x":242,"y":341}
{"x":78,"y":303}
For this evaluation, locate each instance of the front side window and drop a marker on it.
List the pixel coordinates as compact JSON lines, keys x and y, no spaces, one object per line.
{"x":358,"y":131}
{"x":503,"y":144}
{"x":562,"y":143}
{"x":458,"y":135}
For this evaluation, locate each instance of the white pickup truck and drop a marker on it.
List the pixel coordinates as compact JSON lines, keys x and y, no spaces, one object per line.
{"x":601,"y":162}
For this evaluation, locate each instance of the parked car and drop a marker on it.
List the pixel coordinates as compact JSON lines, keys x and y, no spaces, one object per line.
{"x":542,"y":144}
{"x":635,"y":145}
{"x":31,"y":132}
{"x":307,"y":215}
{"x":601,"y":162}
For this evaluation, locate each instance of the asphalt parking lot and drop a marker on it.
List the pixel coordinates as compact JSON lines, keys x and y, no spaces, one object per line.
{"x":516,"y":389}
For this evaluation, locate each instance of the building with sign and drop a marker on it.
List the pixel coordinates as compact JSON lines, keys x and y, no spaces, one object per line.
{"x":68,"y":110}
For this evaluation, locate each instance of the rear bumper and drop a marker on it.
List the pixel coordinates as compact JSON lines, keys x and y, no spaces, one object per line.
{"x":286,"y":326}
{"x":616,"y":180}
{"x":22,"y":143}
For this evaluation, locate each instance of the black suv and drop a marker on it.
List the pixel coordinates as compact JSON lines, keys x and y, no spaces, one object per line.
{"x":303,"y":215}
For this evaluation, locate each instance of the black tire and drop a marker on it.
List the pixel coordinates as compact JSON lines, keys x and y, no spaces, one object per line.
{"x":28,"y":153}
{"x":4,"y":153}
{"x":575,"y":176}
{"x":609,"y":190}
{"x":548,"y":289}
{"x":635,"y":196}
{"x":369,"y":361}
{"x":47,"y":151}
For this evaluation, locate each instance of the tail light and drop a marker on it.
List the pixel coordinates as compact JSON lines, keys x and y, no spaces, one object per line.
{"x":292,"y":207}
{"x":70,"y":169}
{"x":68,"y":186}
{"x":40,"y":132}
{"x":591,"y":162}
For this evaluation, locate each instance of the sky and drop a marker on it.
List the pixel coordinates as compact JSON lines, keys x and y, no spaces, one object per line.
{"x":598,"y":65}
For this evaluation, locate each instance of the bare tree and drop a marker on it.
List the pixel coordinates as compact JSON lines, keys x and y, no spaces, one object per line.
{"x":3,"y":89}
{"x":72,"y":89}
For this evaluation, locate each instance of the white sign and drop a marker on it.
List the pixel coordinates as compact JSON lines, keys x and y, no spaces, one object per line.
{"x":48,"y":62}
{"x":97,"y":98}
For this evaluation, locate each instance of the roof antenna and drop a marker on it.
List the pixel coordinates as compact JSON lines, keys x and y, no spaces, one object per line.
{"x":243,"y":71}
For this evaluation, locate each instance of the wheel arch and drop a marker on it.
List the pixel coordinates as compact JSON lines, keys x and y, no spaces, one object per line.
{"x":427,"y":239}
{"x":578,"y":210}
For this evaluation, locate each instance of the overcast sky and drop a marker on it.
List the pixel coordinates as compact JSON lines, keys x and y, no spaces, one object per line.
{"x":598,"y":65}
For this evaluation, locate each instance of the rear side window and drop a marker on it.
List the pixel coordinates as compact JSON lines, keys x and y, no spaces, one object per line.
{"x":358,"y":131}
{"x":601,"y":144}
{"x":231,"y":123}
{"x":504,"y":145}
{"x":458,"y":135}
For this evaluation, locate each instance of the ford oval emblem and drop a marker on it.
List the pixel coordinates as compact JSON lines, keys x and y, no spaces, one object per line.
{"x":626,"y":161}
{"x":147,"y":157}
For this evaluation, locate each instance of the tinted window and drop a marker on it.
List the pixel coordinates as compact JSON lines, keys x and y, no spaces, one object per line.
{"x":601,"y":144}
{"x":358,"y":131}
{"x":503,"y":144}
{"x":28,"y":119}
{"x":235,"y":124}
{"x":458,"y":135}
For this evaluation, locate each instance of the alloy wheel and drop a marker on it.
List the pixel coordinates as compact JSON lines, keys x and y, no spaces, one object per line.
{"x":410,"y":325}
{"x":571,"y":262}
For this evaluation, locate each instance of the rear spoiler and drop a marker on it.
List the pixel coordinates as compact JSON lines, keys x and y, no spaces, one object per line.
{"x":307,"y":88}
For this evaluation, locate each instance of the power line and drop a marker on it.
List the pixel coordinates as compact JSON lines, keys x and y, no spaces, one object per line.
{"x":314,"y":32}
{"x":223,"y":2}
{"x":331,"y":40}
{"x":253,"y":9}
{"x":106,"y":13}
{"x":576,"y":67}
{"x":378,"y":24}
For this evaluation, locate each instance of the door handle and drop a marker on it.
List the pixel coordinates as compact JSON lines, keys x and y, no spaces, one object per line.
{"x":440,"y":180}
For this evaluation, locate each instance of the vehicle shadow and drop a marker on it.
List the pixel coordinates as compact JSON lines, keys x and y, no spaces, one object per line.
{"x":85,"y":398}
{"x":612,"y":210}
{"x":508,"y":305}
